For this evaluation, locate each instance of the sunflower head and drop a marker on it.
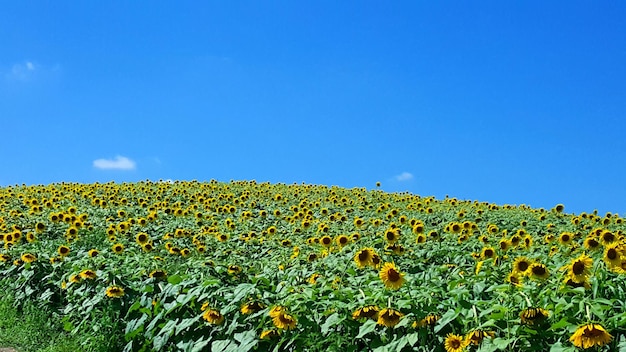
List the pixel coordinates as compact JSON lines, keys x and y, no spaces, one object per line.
{"x":590,"y":335}
{"x":455,"y":343}
{"x":391,"y":276}
{"x":389,"y":317}
{"x":533,"y":316}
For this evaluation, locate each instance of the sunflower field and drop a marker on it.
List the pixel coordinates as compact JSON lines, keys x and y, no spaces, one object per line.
{"x":247,"y":266}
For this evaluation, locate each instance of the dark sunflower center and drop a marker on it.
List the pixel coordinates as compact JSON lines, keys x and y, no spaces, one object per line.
{"x":592,"y":333}
{"x":611,"y":254}
{"x":393,"y":275}
{"x":343,"y":240}
{"x":456,"y":343}
{"x":578,"y":268}
{"x":565,"y":238}
{"x":489,"y":253}
{"x":608,"y":237}
{"x":538,"y":270}
{"x":522,"y":266}
{"x":363,"y":256}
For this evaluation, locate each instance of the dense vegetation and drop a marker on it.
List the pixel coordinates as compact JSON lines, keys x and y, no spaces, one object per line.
{"x":256,"y":266}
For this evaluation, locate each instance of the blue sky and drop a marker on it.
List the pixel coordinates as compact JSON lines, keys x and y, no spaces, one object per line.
{"x":509,"y":102}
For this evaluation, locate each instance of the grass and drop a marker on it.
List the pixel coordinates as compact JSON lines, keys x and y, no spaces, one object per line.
{"x":31,"y":329}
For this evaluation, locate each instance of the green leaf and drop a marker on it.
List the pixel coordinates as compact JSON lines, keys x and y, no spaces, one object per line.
{"x":247,"y":340}
{"x":560,"y":324}
{"x":220,"y":345}
{"x":366,"y":328}
{"x":449,"y":316}
{"x":332,"y":320}
{"x":185,"y":323}
{"x":174,"y":279}
{"x":412,"y":338}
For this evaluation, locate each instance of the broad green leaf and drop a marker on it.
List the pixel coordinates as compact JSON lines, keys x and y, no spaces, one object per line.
{"x":366,"y":328}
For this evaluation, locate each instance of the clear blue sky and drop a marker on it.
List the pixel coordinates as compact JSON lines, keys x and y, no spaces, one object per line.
{"x":509,"y":102}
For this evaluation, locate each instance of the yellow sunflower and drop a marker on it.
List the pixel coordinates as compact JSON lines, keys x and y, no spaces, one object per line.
{"x":532,"y":316}
{"x":213,"y":316}
{"x":251,"y":307}
{"x":370,"y":312}
{"x":63,"y":250}
{"x":612,"y":255}
{"x":389,"y":317}
{"x":391,"y":277}
{"x":284,"y":321}
{"x":538,"y":270}
{"x":580,"y":269}
{"x":521,"y":265}
{"x":363,"y":257}
{"x":28,"y":258}
{"x":269,"y":334}
{"x":115,"y":292}
{"x":88,"y":274}
{"x":590,"y":335}
{"x":476,"y":337}
{"x":455,"y":343}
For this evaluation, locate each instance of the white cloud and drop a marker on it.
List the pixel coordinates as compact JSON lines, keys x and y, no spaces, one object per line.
{"x":119,"y":163}
{"x":22,"y":71}
{"x":405,"y":176}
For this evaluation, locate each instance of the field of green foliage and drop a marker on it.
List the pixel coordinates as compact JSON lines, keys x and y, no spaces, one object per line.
{"x":241,"y":266}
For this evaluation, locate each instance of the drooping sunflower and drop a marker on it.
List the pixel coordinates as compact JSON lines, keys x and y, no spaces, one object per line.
{"x":533,"y":316}
{"x":275,"y":310}
{"x":590,"y":335}
{"x":429,"y":320}
{"x":88,"y":274}
{"x":284,"y":321}
{"x":370,"y":312}
{"x":115,"y":292}
{"x":251,"y":307}
{"x":514,"y":279}
{"x":538,"y":270}
{"x":234,"y":269}
{"x":158,"y":274}
{"x":269,"y":334}
{"x":476,"y":337}
{"x":28,"y":258}
{"x":455,"y":343}
{"x":389,"y":317}
{"x":391,"y":276}
{"x":213,"y":316}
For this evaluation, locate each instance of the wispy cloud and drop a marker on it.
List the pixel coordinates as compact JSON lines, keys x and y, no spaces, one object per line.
{"x":22,"y":71}
{"x":118,"y":163}
{"x":405,"y":176}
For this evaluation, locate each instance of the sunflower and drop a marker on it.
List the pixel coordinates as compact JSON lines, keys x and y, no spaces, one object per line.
{"x":342,"y":240}
{"x":251,"y":307}
{"x":158,"y":274}
{"x":391,"y":277}
{"x":213,"y":316}
{"x":590,"y":335}
{"x":521,"y":265}
{"x":392,"y":235}
{"x":504,"y":244}
{"x":565,"y":238}
{"x":429,"y":320}
{"x":580,"y":268}
{"x":28,"y":258}
{"x":532,"y":316}
{"x":370,"y":312}
{"x":284,"y":321}
{"x":612,"y":256}
{"x":389,"y":317}
{"x":88,"y":274}
{"x":488,"y":252}
{"x":30,"y":237}
{"x":93,"y":253}
{"x":607,"y":237}
{"x":234,"y":269}
{"x":455,"y":343}
{"x":269,"y":334}
{"x":275,"y":310}
{"x":376,"y":260}
{"x":115,"y":292}
{"x":476,"y":337}
{"x":326,"y":241}
{"x":591,"y":243}
{"x":539,"y":270}
{"x":118,"y":248}
{"x":63,"y":250}
{"x":142,"y":238}
{"x":514,"y":279}
{"x":40,"y":226}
